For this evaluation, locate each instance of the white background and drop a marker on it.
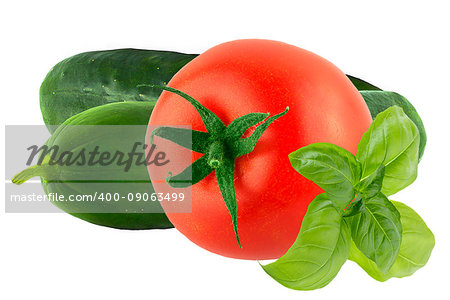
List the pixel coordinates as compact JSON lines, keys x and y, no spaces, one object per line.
{"x":397,"y":45}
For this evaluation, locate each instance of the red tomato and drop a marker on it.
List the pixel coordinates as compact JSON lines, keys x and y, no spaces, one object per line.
{"x":245,"y":76}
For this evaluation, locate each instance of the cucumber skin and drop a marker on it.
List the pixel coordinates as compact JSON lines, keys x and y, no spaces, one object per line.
{"x":96,"y":78}
{"x":110,"y":114}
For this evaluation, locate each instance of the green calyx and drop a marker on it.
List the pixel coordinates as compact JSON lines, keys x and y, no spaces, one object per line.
{"x":221,"y":145}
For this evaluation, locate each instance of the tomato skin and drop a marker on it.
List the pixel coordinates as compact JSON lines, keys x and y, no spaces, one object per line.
{"x":245,"y":76}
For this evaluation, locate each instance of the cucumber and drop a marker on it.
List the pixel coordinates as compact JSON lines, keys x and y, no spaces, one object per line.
{"x":97,"y":180}
{"x":362,"y":85}
{"x":378,"y":100}
{"x":96,"y":78}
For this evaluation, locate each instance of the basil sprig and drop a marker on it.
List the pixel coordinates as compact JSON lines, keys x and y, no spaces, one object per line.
{"x":415,"y":249}
{"x":354,"y":212}
{"x":321,"y":248}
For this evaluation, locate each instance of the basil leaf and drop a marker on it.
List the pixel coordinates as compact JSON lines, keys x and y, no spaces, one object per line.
{"x":354,"y":208}
{"x":372,"y":185}
{"x":393,"y":141}
{"x":377,"y":231}
{"x":332,"y":168}
{"x":320,"y":250}
{"x":415,"y":248}
{"x":378,"y":101}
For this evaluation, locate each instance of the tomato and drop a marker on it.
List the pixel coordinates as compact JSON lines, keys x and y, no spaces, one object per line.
{"x":246,"y":76}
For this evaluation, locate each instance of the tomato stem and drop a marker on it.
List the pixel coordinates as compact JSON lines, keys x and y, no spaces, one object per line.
{"x":215,"y":155}
{"x":221,"y":146}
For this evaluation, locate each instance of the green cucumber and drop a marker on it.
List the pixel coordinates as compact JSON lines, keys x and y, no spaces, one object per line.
{"x":378,"y":100}
{"x":362,"y":85}
{"x":102,"y":180}
{"x":96,"y":78}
